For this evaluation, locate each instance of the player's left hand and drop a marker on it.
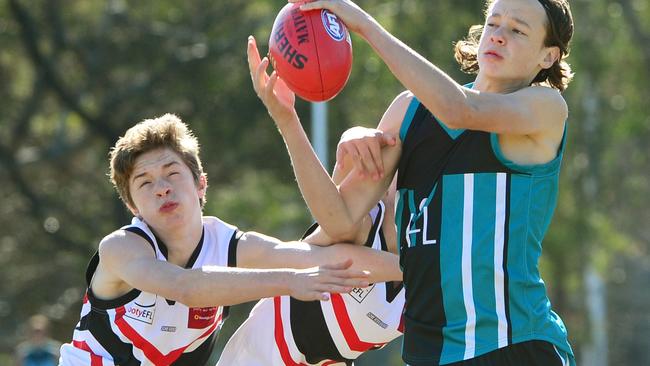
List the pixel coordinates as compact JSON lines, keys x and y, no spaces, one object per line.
{"x":318,"y":283}
{"x":363,"y":146}
{"x":278,"y":99}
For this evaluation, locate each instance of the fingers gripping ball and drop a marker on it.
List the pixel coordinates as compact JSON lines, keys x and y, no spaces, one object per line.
{"x":311,"y":51}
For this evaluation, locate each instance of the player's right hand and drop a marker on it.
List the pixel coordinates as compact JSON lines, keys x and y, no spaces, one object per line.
{"x":317,"y":283}
{"x":363,"y":147}
{"x":351,"y":14}
{"x":278,"y":99}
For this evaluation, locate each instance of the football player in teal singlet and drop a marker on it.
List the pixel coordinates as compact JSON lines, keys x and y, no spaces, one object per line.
{"x":477,"y":178}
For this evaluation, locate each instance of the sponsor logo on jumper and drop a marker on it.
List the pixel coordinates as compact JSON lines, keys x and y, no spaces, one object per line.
{"x":199,"y":318}
{"x":143,"y":310}
{"x":142,"y":314}
{"x":332,"y":25}
{"x":360,"y":294}
{"x":168,"y":328}
{"x":375,"y":319}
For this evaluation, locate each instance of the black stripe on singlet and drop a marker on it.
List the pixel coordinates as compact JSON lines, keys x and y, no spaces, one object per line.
{"x":392,"y":287}
{"x":232,"y":248}
{"x":165,"y":252}
{"x":136,"y":230}
{"x":375,"y":226}
{"x":311,"y":334}
{"x":99,"y":325}
{"x":196,"y":252}
{"x":309,"y":328}
{"x":200,"y":356}
{"x":506,"y":234}
{"x":232,"y":262}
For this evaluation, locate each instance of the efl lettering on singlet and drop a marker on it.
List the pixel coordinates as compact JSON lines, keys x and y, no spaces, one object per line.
{"x":360,"y":294}
{"x":418,"y":226}
{"x":199,"y":318}
{"x":143,"y":309}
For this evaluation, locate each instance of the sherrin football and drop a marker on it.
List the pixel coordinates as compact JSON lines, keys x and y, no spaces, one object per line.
{"x":311,"y":51}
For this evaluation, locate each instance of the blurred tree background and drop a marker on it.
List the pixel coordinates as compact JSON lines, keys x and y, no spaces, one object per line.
{"x":74,"y":75}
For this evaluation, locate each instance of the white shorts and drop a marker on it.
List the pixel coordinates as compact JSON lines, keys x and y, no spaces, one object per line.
{"x":73,"y":356}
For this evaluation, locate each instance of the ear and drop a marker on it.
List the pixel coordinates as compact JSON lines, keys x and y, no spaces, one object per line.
{"x":203,"y":185}
{"x":551,"y":55}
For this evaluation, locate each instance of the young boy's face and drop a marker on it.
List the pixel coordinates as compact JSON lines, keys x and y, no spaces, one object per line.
{"x":163,"y":189}
{"x":512,"y":44}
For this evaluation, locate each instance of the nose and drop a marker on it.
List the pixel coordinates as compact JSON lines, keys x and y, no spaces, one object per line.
{"x":163,"y":188}
{"x":497,"y":36}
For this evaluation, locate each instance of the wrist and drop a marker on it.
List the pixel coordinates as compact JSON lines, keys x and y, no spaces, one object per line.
{"x":368,"y":27}
{"x":285,"y":280}
{"x":285,"y":120}
{"x":288,"y":123}
{"x":373,"y":32}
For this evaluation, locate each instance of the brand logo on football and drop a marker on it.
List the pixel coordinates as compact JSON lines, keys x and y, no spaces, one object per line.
{"x":333,"y":25}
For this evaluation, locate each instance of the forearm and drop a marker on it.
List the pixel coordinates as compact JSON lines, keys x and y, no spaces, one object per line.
{"x":212,"y":286}
{"x":319,"y":191}
{"x":383,"y":266}
{"x":433,"y":87}
{"x":260,"y":251}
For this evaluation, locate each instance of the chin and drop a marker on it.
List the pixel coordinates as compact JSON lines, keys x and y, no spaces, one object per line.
{"x":491,"y":72}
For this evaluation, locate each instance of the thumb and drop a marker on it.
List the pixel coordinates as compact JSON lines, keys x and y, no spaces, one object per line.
{"x":387,"y":139}
{"x":340,"y":156}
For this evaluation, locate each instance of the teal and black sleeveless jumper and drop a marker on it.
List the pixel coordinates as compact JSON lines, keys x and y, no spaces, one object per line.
{"x":470,"y":226}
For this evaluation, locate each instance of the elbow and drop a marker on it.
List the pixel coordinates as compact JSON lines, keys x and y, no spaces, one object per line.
{"x":459,"y":113}
{"x":343,"y":232}
{"x":460,"y":117}
{"x":183,"y":291}
{"x":337,"y":226}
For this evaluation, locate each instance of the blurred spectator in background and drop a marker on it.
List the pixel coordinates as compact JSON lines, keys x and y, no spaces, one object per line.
{"x":39,"y":349}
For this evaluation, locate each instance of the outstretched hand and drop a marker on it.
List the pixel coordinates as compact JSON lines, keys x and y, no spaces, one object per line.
{"x":363,"y":146}
{"x":318,"y":282}
{"x":350,"y":13}
{"x":278,"y":99}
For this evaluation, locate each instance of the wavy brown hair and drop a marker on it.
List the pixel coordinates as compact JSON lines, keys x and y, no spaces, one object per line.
{"x":167,"y":131}
{"x":559,"y":31}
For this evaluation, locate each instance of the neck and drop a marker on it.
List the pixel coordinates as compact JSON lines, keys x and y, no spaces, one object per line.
{"x":487,"y":85}
{"x":181,"y":239}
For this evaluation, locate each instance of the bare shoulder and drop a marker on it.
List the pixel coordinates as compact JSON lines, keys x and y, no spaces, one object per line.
{"x":548,"y":94}
{"x":392,"y":119}
{"x":121,"y":245}
{"x":116,"y":251}
{"x":547,"y":102}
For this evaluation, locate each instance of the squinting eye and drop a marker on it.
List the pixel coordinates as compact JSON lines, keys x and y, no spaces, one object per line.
{"x":173,"y":173}
{"x":489,"y":25}
{"x":144,"y":184}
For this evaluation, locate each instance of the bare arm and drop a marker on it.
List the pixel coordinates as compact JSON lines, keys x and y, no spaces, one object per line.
{"x":530,"y":111}
{"x":341,"y":216}
{"x":129,"y":260}
{"x":260,"y":251}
